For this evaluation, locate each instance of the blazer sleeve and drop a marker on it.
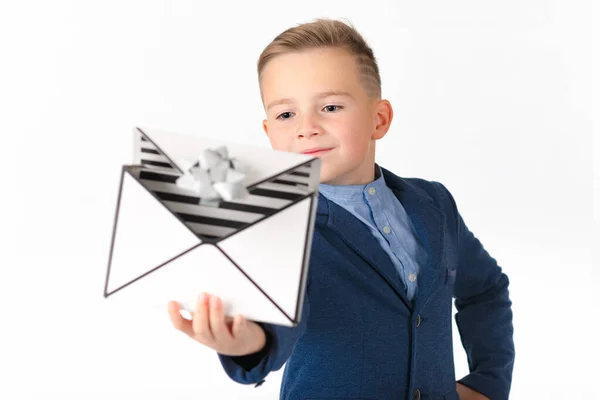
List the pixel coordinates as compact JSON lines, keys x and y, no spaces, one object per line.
{"x":484,"y":317}
{"x":280,"y":343}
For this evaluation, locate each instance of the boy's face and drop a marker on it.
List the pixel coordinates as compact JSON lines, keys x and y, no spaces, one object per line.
{"x":316,"y":104}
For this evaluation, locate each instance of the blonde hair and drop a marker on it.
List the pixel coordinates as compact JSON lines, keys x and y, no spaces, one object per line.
{"x":323,"y":33}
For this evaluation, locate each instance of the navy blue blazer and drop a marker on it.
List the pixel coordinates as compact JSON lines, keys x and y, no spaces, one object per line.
{"x":360,"y":337}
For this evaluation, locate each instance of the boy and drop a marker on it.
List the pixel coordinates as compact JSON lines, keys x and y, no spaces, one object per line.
{"x":388,"y":253}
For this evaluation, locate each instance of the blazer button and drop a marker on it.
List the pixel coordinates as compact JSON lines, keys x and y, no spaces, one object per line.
{"x":418,"y":320}
{"x":416,"y":394}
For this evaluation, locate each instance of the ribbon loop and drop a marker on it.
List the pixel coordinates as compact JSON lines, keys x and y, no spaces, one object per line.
{"x":214,"y":176}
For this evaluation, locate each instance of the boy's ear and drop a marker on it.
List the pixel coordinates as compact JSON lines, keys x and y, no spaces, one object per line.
{"x":383,"y":118}
{"x":265,"y":127}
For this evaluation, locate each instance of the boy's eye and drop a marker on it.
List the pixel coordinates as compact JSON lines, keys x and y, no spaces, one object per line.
{"x":332,"y":108}
{"x":285,"y":115}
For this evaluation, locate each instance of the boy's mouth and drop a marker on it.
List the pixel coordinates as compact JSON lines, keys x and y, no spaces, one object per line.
{"x":317,"y":151}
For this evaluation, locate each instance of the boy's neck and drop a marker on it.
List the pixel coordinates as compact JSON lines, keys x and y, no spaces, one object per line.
{"x":373,"y":174}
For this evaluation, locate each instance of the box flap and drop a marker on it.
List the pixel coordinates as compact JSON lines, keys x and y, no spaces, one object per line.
{"x":175,"y":149}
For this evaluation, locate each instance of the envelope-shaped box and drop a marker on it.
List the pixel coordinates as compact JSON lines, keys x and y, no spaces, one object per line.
{"x":252,"y":252}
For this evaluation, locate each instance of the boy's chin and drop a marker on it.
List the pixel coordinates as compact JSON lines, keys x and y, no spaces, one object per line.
{"x":327,"y":177}
{"x":335,"y":172}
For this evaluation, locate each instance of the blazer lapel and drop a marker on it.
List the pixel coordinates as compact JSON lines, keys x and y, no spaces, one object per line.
{"x":429,"y":223}
{"x":360,"y":239}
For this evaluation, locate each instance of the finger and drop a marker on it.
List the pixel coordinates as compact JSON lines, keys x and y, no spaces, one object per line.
{"x":239,"y":326}
{"x":229,"y":323}
{"x":217,"y":322}
{"x":200,"y":322}
{"x":180,"y":323}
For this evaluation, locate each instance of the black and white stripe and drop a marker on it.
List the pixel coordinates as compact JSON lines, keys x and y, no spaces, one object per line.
{"x":158,"y":175}
{"x":151,"y":156}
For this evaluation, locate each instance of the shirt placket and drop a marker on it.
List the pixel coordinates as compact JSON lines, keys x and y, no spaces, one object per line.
{"x":384,"y":227}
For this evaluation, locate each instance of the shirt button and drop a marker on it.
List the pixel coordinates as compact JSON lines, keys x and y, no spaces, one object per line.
{"x":412,"y":277}
{"x":416,"y":394}
{"x":386,"y":229}
{"x":372,"y":191}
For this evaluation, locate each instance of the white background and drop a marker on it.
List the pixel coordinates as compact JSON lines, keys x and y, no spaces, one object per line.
{"x":493,"y":99}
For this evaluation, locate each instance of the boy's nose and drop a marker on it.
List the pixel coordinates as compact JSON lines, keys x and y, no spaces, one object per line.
{"x":309,"y":128}
{"x":308,"y":133}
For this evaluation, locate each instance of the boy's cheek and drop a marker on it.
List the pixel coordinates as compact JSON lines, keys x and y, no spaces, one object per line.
{"x":278,"y":142}
{"x":281,"y":145}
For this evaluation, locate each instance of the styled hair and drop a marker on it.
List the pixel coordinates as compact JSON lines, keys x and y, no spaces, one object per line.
{"x":326,"y":33}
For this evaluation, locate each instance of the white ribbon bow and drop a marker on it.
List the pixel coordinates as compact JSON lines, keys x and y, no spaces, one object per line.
{"x":214,"y":176}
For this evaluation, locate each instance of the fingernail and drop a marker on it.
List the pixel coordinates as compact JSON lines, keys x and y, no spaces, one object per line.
{"x":201,"y":298}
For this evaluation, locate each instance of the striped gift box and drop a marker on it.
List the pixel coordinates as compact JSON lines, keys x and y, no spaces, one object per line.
{"x":253,"y":252}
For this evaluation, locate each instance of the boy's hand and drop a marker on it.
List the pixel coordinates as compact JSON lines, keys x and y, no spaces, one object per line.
{"x":228,"y":336}
{"x":465,"y":393}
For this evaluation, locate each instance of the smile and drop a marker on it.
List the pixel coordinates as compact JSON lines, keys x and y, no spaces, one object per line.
{"x":317,"y":151}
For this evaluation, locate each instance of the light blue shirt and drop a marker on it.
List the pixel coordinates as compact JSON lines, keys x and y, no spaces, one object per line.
{"x":376,"y":205}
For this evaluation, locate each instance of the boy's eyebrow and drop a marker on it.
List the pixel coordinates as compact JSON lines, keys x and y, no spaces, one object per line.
{"x":332,"y":93}
{"x":317,"y":96}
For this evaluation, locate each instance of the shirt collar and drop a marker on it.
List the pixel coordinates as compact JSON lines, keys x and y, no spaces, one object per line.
{"x":353,"y":193}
